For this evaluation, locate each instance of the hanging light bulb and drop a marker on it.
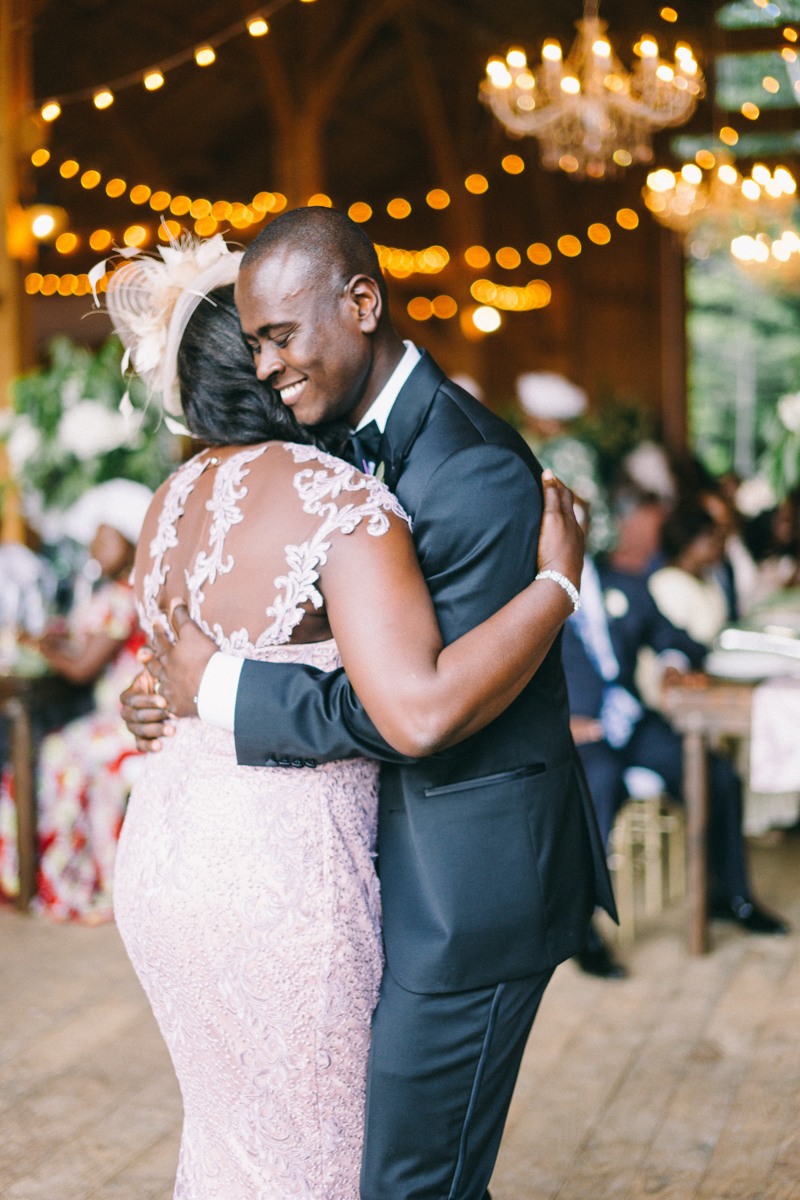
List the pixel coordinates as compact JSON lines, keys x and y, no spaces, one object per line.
{"x":103,"y":98}
{"x":51,"y":110}
{"x":204,"y":56}
{"x":257,"y":26}
{"x":153,"y":80}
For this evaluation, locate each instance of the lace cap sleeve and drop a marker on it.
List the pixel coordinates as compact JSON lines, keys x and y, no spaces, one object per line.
{"x":319,"y":491}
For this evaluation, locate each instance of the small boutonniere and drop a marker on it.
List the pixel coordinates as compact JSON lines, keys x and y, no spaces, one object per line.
{"x":380,"y":471}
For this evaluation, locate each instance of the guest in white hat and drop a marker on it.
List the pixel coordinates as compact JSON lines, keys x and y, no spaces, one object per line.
{"x":84,"y":768}
{"x":550,"y":403}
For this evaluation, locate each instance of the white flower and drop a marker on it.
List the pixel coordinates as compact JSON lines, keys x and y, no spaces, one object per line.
{"x":89,"y":428}
{"x":23,"y":443}
{"x":71,"y":392}
{"x":755,"y":496}
{"x":789,"y":412}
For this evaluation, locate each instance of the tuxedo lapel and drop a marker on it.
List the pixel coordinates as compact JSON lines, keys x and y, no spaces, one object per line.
{"x":408,"y":413}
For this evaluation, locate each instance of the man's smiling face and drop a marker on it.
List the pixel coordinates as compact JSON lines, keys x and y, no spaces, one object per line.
{"x":308,"y":333}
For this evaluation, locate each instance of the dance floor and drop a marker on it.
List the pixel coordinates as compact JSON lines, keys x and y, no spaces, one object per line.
{"x":681,"y":1082}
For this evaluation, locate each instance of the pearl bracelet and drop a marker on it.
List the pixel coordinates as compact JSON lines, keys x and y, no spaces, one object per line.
{"x":563,"y":582}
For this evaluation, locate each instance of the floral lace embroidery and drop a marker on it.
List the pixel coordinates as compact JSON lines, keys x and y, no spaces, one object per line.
{"x":166,"y":538}
{"x":314,"y":488}
{"x":226,"y":511}
{"x":318,"y":491}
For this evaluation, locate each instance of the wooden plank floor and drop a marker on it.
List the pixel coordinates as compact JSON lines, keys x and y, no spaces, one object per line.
{"x":682,"y":1082}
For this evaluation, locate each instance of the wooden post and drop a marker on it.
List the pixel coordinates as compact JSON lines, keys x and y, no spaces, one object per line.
{"x":24,"y":801}
{"x":673,"y":343}
{"x":14,"y":97}
{"x":695,"y":789}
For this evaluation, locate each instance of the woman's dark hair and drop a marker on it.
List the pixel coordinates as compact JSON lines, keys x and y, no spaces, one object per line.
{"x":224,"y":402}
{"x":682,"y":526}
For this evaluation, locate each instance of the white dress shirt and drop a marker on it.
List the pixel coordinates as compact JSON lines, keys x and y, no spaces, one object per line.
{"x":216,"y":696}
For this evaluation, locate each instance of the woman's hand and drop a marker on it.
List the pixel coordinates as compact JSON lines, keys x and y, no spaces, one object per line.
{"x":561,"y":541}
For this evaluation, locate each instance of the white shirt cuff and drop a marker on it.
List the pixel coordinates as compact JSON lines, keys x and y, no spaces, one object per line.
{"x":216,"y":696}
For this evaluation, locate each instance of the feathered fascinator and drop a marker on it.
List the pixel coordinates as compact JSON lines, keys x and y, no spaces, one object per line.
{"x":150,"y":300}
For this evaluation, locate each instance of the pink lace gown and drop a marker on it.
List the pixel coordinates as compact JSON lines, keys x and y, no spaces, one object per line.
{"x":246,"y":896}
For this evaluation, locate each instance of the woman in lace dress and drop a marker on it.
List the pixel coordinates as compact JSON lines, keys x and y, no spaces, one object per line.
{"x":246,"y":896}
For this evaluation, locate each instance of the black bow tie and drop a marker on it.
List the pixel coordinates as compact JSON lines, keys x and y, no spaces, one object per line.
{"x":366,"y":445}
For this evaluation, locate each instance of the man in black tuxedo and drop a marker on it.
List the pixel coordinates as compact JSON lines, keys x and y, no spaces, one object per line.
{"x":490,"y":857}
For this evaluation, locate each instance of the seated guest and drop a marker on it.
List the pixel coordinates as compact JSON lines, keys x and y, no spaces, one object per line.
{"x":687,"y":590}
{"x":614,"y":731}
{"x":82,"y":782}
{"x":773,"y":539}
{"x":639,"y":516}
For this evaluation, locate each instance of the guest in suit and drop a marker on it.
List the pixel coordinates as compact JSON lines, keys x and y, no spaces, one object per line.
{"x":490,"y":857}
{"x":615,"y":732}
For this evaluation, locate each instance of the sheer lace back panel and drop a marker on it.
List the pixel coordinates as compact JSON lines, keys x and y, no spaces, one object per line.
{"x":240,"y":536}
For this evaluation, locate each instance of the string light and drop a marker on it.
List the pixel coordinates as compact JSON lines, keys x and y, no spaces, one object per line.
{"x":257,"y":27}
{"x":487,"y":319}
{"x":398,"y":208}
{"x":90,"y":179}
{"x":103,"y":98}
{"x":539,"y":253}
{"x":69,"y":168}
{"x":204,"y":56}
{"x":101,"y":239}
{"x":728,"y":135}
{"x":66,"y":243}
{"x":116,"y":187}
{"x":40,"y":157}
{"x":599,"y":233}
{"x":135,"y":235}
{"x":513,"y":164}
{"x":477,"y":184}
{"x":437,"y":198}
{"x":139,"y":194}
{"x":512,"y":299}
{"x":422,"y":309}
{"x":478,"y":257}
{"x":43,"y":225}
{"x":359,"y":212}
{"x":153,"y":80}
{"x":320,"y":200}
{"x":751,"y":111}
{"x":569,"y":245}
{"x":50,"y":111}
{"x":508,"y":257}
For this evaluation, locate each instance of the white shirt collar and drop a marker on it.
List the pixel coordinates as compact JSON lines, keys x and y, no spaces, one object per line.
{"x":383,"y":403}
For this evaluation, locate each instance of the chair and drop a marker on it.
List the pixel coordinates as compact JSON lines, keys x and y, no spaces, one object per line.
{"x":648,"y":851}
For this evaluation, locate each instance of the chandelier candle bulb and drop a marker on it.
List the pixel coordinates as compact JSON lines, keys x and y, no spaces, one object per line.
{"x":728,"y":174}
{"x":103,"y":98}
{"x":516,"y":58}
{"x":551,"y":52}
{"x":691,"y":173}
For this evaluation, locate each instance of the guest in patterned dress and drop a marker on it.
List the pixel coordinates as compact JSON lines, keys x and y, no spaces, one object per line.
{"x":85,"y":770}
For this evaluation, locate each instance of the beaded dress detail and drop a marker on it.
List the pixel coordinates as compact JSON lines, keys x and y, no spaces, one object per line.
{"x":247,"y":896}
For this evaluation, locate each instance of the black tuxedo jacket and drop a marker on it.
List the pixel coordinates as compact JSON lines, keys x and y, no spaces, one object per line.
{"x":641,"y":624}
{"x":490,"y":857}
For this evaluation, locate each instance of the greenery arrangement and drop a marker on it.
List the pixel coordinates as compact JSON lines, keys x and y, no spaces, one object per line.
{"x":78,"y":423}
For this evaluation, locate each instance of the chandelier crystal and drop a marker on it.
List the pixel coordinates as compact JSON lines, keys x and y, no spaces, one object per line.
{"x":591,"y":116}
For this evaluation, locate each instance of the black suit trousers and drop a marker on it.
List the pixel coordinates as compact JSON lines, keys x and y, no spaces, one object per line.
{"x":442,"y":1070}
{"x":655,"y":745}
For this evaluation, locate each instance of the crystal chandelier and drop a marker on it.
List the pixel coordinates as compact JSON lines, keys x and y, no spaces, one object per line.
{"x":719,"y":208}
{"x":590,"y":115}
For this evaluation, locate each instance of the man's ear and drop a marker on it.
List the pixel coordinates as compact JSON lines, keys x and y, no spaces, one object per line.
{"x":365,"y":295}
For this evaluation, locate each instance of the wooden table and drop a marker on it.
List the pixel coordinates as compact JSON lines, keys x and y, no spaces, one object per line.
{"x":19,"y":699}
{"x":720,"y":709}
